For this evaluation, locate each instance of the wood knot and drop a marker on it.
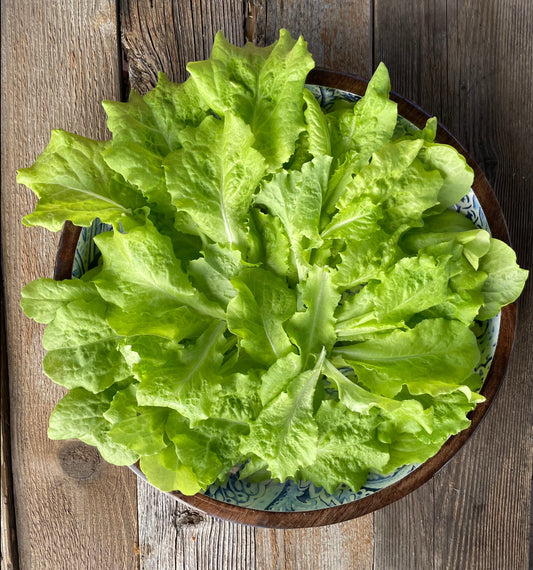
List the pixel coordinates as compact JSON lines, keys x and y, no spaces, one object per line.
{"x":181,"y":519}
{"x":79,"y":460}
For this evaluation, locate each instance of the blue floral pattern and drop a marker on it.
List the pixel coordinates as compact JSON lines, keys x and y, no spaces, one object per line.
{"x":87,"y":254}
{"x":292,"y":496}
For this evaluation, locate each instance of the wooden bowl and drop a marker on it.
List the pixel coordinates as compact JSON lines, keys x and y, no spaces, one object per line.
{"x":397,"y":490}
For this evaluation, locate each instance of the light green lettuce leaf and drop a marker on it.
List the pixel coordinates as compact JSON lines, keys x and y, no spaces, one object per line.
{"x":359,"y":131}
{"x":363,"y":260}
{"x":505,"y":279}
{"x":239,"y":401}
{"x":275,"y":379}
{"x":176,"y":323}
{"x":355,"y":397}
{"x":434,"y":357}
{"x":412,"y":285}
{"x":405,"y":449}
{"x":73,"y":182}
{"x":256,"y":315}
{"x":145,"y":170}
{"x":370,"y":123}
{"x":154,"y":121}
{"x":144,"y":433}
{"x":42,"y":297}
{"x":296,"y":198}
{"x":123,"y":405}
{"x":406,"y":130}
{"x":255,"y":470}
{"x":347,"y":448}
{"x":83,"y":350}
{"x":354,"y":222}
{"x":141,"y":168}
{"x":168,"y":473}
{"x":398,"y":181}
{"x":301,"y":153}
{"x":262,"y":86}
{"x":446,"y":227}
{"x":408,"y":412}
{"x":213,"y":177}
{"x":141,"y":272}
{"x":276,"y":256}
{"x":358,"y":222}
{"x":188,"y":381}
{"x":464,"y":288}
{"x":447,"y":414}
{"x":285,"y":434}
{"x":313,"y":326}
{"x":317,"y":126}
{"x":211,"y":448}
{"x":456,"y":174}
{"x":213,"y":271}
{"x":80,"y":415}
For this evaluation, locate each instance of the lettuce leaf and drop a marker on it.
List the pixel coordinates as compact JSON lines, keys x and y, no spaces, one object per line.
{"x":213,"y":177}
{"x":256,"y":315}
{"x":261,"y":86}
{"x":73,"y":182}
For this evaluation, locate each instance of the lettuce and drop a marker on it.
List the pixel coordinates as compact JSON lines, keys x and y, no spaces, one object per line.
{"x":283,"y":287}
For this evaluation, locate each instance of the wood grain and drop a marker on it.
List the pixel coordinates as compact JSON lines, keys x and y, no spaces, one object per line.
{"x":464,"y":63}
{"x":59,"y":60}
{"x":174,"y":536}
{"x":339,"y":34}
{"x":158,"y":35}
{"x":338,"y":547}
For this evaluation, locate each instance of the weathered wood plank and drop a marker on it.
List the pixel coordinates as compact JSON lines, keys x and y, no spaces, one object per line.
{"x":165,"y":36}
{"x":464,"y":63}
{"x":158,"y":35}
{"x":413,"y":518}
{"x":337,"y":547}
{"x":59,"y":60}
{"x":339,"y":37}
{"x":339,"y":34}
{"x":174,"y":537}
{"x":9,"y":548}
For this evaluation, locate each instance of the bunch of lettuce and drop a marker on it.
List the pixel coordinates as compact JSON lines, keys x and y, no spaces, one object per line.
{"x":284,"y":288}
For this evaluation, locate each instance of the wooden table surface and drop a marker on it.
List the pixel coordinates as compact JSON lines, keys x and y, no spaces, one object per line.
{"x":468,"y":62}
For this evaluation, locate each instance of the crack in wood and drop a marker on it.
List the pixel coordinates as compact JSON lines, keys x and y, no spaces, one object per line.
{"x":9,"y":550}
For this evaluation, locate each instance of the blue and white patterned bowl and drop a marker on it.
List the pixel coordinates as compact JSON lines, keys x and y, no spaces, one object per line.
{"x":304,"y":496}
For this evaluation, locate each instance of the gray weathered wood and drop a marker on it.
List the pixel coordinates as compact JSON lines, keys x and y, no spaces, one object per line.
{"x":59,"y":60}
{"x":172,"y":536}
{"x":337,"y":547}
{"x":338,"y":34}
{"x":464,"y":62}
{"x":9,"y":548}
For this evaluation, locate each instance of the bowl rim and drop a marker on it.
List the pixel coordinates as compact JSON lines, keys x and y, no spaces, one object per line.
{"x":388,"y":495}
